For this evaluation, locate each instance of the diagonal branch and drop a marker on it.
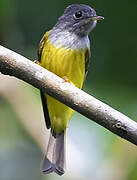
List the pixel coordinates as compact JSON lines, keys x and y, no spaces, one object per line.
{"x":16,"y":65}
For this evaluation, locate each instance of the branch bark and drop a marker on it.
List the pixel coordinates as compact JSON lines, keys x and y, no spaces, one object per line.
{"x":16,"y":65}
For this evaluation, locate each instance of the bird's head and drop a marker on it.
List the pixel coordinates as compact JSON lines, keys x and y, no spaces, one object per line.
{"x":79,"y":19}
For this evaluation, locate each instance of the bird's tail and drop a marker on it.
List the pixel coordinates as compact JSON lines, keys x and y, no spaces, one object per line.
{"x":55,"y":158}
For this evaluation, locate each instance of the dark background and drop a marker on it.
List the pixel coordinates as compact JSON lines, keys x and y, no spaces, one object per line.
{"x":92,"y":151}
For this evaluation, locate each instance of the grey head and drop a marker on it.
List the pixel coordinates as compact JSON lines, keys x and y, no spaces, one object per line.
{"x":79,"y":19}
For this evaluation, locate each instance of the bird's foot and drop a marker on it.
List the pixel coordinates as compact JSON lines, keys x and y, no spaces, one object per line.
{"x":66,"y":79}
{"x":37,"y":62}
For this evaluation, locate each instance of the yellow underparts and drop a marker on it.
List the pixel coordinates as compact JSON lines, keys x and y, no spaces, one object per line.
{"x":64,"y":63}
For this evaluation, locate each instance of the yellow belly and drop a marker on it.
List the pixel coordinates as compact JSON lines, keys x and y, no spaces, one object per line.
{"x":64,"y":63}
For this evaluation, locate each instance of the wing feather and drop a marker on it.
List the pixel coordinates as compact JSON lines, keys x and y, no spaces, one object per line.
{"x":41,"y":45}
{"x":87,"y":60}
{"x":43,"y":95}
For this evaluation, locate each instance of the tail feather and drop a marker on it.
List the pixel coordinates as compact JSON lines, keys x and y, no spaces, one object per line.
{"x":55,"y":159}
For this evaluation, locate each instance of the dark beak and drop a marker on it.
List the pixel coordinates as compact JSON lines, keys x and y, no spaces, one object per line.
{"x":96,"y":18}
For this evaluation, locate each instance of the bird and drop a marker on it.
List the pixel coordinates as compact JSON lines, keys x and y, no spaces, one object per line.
{"x":65,"y":51}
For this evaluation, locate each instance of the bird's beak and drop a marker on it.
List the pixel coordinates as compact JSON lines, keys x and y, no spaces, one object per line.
{"x":96,"y":18}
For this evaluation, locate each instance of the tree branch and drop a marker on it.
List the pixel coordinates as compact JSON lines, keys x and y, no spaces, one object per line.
{"x":16,"y":65}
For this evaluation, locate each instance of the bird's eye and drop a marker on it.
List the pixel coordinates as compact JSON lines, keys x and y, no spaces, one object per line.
{"x":78,"y":14}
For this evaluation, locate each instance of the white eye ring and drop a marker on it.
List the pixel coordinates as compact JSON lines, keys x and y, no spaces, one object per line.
{"x":78,"y":14}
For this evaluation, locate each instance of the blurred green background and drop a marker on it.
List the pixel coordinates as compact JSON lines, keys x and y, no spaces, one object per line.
{"x":92,"y":151}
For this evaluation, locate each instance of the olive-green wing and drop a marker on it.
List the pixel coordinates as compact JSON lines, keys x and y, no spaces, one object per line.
{"x":87,"y":60}
{"x":41,"y":45}
{"x":43,"y":95}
